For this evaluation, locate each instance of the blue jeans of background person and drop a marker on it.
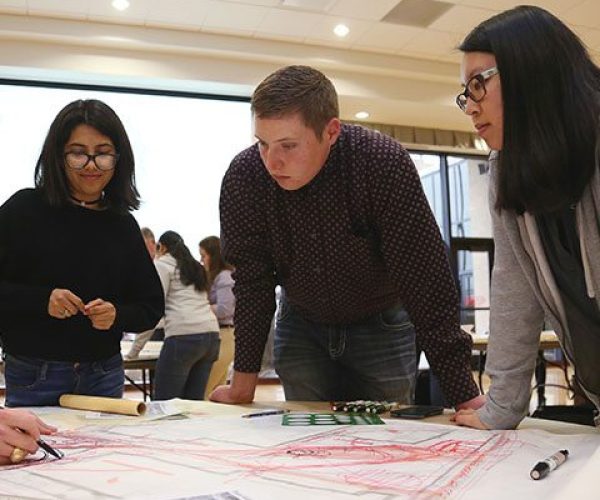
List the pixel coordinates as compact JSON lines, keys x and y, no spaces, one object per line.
{"x":36,"y":382}
{"x":373,"y":359}
{"x":184,"y":365}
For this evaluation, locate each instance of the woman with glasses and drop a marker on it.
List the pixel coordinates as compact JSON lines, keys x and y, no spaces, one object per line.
{"x":74,"y":271}
{"x":191,"y":329}
{"x":533,"y":94}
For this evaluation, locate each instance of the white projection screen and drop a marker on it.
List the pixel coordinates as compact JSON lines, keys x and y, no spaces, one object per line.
{"x":183,"y":145}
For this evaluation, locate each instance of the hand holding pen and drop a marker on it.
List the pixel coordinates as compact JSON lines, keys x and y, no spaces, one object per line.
{"x":20,"y":433}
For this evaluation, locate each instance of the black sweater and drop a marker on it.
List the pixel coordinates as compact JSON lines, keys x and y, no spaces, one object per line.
{"x":94,"y":254}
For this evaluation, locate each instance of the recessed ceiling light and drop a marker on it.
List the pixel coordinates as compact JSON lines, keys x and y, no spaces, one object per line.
{"x":341,"y":30}
{"x":362,"y":115}
{"x":120,"y":4}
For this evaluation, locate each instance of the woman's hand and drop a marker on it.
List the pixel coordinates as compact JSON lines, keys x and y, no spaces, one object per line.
{"x":20,"y":429}
{"x":102,"y":314}
{"x":63,"y":304}
{"x":468,"y":418}
{"x":473,"y":404}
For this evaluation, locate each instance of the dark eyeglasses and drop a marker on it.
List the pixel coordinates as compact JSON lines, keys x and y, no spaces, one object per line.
{"x":475,"y":88}
{"x":103,"y":161}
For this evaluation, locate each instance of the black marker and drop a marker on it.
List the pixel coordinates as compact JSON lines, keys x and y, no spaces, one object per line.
{"x":338,"y":405}
{"x":381,"y":407}
{"x":359,"y":407}
{"x":544,"y":467}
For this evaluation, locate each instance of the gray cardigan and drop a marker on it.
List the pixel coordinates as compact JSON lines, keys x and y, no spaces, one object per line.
{"x":523,"y":294}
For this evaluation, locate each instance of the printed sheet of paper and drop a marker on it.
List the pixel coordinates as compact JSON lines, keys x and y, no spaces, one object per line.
{"x":260,"y":459}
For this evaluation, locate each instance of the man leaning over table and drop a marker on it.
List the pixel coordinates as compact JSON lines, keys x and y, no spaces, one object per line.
{"x":337,"y":216}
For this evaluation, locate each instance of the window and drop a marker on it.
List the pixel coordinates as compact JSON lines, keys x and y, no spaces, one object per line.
{"x":468,"y":195}
{"x":428,"y":166}
{"x":457,"y":190}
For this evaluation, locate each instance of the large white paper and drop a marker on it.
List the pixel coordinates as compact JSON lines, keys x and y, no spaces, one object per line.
{"x":261,"y":459}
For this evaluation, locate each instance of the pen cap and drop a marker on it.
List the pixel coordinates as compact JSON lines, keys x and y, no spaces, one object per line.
{"x":540,"y":470}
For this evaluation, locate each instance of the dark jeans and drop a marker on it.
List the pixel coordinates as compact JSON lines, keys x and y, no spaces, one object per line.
{"x":184,"y":365}
{"x":36,"y":382}
{"x":372,"y":359}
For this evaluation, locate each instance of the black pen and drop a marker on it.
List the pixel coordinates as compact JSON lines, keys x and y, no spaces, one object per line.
{"x":543,"y":468}
{"x":43,"y":445}
{"x":265,"y":413}
{"x":46,"y":447}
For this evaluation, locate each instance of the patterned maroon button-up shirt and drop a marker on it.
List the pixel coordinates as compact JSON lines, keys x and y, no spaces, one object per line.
{"x":359,"y":238}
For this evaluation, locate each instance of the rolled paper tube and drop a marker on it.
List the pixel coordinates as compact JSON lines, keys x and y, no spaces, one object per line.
{"x":107,"y":405}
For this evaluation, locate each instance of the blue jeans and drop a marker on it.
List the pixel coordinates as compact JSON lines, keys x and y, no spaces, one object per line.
{"x":36,"y":382}
{"x":373,"y":359}
{"x":184,"y":365}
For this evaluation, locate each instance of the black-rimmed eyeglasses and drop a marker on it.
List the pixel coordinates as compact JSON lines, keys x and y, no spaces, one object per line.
{"x":475,"y":88}
{"x":103,"y":161}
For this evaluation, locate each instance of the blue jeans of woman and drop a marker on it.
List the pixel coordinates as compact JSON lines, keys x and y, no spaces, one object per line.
{"x":36,"y":382}
{"x":372,"y":359}
{"x":184,"y":364}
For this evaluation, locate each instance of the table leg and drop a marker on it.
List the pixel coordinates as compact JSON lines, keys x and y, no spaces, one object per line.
{"x":144,"y":384}
{"x":482,"y":356}
{"x":540,"y":378}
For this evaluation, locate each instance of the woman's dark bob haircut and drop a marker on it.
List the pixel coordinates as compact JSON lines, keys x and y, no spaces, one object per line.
{"x":120,"y":194}
{"x":550,"y":93}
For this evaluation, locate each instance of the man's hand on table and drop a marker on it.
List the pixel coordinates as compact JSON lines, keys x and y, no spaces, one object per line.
{"x":240,"y":391}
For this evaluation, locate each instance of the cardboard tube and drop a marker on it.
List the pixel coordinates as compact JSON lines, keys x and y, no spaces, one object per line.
{"x":107,"y":405}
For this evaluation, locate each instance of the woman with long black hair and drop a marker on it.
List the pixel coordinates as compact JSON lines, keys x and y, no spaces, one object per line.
{"x":191,"y":329}
{"x":533,"y":93}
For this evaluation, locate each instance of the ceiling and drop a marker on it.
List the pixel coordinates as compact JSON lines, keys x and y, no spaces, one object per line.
{"x":311,"y":22}
{"x":377,"y":61}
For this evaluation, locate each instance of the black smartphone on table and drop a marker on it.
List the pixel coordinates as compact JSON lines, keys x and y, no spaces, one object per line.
{"x":417,"y":411}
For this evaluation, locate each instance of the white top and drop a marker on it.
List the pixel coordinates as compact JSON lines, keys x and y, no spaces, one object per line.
{"x":187,"y":310}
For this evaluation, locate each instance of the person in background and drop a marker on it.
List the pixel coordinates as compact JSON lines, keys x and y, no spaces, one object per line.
{"x":20,"y":429}
{"x":222,"y":303}
{"x":533,"y":93}
{"x":65,"y":304}
{"x":157,"y":333}
{"x":191,"y":329}
{"x":337,"y":216}
{"x":150,"y":241}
